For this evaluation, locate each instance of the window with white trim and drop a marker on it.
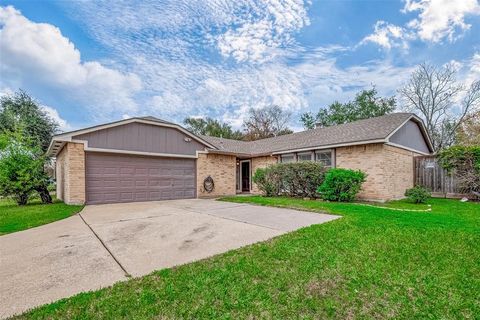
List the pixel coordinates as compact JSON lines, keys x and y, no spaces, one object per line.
{"x":286,"y":158}
{"x":325,"y":157}
{"x":304,"y":156}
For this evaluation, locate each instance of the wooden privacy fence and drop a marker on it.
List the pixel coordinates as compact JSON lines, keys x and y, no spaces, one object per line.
{"x":429,"y":174}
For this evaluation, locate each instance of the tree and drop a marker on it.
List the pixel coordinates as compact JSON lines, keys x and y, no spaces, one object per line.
{"x":20,"y":111}
{"x":21,"y":170}
{"x":212,"y":127}
{"x":266,"y":122}
{"x":468,"y":133}
{"x":464,"y":163}
{"x":441,"y":100}
{"x":365,"y":105}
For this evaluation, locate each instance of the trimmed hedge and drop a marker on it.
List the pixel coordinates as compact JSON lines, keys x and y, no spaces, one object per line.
{"x":341,"y":184}
{"x":298,"y":179}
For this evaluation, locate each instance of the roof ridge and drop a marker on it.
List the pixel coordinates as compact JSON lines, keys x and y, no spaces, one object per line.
{"x":370,"y":129}
{"x":336,"y":125}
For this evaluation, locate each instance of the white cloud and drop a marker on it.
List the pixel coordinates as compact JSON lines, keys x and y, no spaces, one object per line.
{"x":388,"y":35}
{"x":439,"y":19}
{"x":259,"y":35}
{"x":6,"y":91}
{"x":38,"y":54}
{"x":474,"y":73}
{"x":53,"y":113}
{"x":174,"y":46}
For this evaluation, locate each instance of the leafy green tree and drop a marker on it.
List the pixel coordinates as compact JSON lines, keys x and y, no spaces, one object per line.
{"x":15,"y":179}
{"x":22,"y":169}
{"x":22,"y":112}
{"x":309,"y":120}
{"x":212,"y":127}
{"x":365,"y":105}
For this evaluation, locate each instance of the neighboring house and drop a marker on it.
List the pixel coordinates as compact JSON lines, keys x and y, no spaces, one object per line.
{"x":144,"y":159}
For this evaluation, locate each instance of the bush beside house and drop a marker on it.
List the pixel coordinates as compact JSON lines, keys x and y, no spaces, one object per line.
{"x":299,"y":179}
{"x":418,"y":194}
{"x":341,"y":184}
{"x":309,"y":179}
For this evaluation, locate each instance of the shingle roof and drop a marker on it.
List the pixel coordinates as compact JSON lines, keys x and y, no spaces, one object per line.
{"x":363,"y":130}
{"x":229,"y":145}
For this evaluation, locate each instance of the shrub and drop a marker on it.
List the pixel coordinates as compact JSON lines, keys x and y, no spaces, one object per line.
{"x":464,"y":163}
{"x":341,"y":184}
{"x":418,"y":194}
{"x":299,"y":179}
{"x":265,"y":185}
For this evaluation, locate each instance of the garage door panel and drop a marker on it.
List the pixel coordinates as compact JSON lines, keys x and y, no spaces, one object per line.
{"x":141,"y":171}
{"x":114,"y":178}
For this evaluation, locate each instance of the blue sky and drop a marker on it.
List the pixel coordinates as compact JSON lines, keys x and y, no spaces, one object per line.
{"x":90,"y":62}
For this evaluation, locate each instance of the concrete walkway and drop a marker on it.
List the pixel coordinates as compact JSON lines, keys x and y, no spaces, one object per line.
{"x":110,"y":243}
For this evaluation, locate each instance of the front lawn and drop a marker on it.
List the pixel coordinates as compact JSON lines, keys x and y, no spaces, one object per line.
{"x":373,"y":263}
{"x":15,"y":218}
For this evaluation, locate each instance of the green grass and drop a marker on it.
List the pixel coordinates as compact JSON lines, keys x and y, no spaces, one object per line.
{"x":403,"y":204}
{"x":15,"y":218}
{"x":372,"y":263}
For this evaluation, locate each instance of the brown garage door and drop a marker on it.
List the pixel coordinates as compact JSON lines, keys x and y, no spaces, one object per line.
{"x":112,"y":178}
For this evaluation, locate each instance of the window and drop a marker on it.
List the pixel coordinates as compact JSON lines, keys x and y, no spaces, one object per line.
{"x":304,"y":156}
{"x":286,"y":158}
{"x":325,"y":157}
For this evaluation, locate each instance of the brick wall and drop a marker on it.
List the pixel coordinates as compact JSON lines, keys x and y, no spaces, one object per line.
{"x":399,"y":170}
{"x":260,"y":162}
{"x":70,"y":171}
{"x":389,"y":169}
{"x":222,"y":170}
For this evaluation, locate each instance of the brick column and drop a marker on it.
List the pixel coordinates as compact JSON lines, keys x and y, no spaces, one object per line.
{"x":71,"y":173}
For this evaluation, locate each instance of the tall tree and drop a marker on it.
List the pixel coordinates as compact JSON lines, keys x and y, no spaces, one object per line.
{"x":443,"y":102}
{"x":266,"y":122}
{"x":20,"y":111}
{"x":212,"y":127}
{"x":468,"y":133}
{"x":365,"y":105}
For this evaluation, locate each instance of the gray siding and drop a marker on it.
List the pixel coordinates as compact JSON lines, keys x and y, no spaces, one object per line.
{"x":410,"y":135}
{"x":143,"y":138}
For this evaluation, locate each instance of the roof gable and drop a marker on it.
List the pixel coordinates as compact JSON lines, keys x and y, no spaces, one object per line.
{"x":60,"y":139}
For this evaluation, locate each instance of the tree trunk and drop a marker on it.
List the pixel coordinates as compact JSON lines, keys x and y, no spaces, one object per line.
{"x":22,"y":199}
{"x":44,"y":194}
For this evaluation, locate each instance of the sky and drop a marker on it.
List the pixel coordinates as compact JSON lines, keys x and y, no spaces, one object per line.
{"x":91,"y":62}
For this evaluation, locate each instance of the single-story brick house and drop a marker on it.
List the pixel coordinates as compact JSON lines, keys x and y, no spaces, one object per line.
{"x":145,"y":158}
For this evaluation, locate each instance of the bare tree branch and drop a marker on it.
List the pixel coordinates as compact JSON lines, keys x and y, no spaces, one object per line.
{"x":266,"y":122}
{"x":436,"y":95}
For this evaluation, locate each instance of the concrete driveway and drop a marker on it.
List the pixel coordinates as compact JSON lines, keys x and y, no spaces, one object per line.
{"x":109,"y":243}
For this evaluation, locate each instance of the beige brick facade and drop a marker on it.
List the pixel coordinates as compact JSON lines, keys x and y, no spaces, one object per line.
{"x":260,"y":162}
{"x":222,"y":170}
{"x":389,"y":169}
{"x":70,"y":174}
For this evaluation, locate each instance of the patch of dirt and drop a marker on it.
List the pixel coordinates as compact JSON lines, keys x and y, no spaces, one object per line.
{"x":323,"y":287}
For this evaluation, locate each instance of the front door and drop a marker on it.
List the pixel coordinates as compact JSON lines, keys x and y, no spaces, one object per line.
{"x":245,"y":174}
